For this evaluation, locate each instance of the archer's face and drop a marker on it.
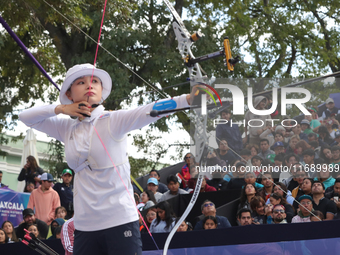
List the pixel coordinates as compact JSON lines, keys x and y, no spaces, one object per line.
{"x":82,"y":90}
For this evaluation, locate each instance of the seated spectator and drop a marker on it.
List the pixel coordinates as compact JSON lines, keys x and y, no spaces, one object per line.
{"x":67,"y":236}
{"x":284,"y":133}
{"x":257,"y":206}
{"x":279,"y":214}
{"x":248,"y":193}
{"x":332,"y":126}
{"x":335,"y":156}
{"x":337,"y":137}
{"x":300,"y":147}
{"x":282,"y":190}
{"x":330,"y":108}
{"x":174,"y":189}
{"x":306,"y":189}
{"x":57,"y":232}
{"x":150,"y":215}
{"x":44,"y":199}
{"x":61,"y":212}
{"x":185,"y":226}
{"x":217,"y":181}
{"x":268,"y":211}
{"x":313,"y":119}
{"x":213,"y":160}
{"x":254,"y":149}
{"x":292,"y":143}
{"x":209,"y":222}
{"x":278,"y":147}
{"x":34,"y":229}
{"x":278,"y":137}
{"x":306,"y":207}
{"x":289,"y":161}
{"x":268,"y":183}
{"x":291,"y":182}
{"x":229,"y":132}
{"x":256,"y":162}
{"x":326,"y":154}
{"x":204,"y":186}
{"x":316,"y":216}
{"x":29,"y":219}
{"x":250,"y":178}
{"x":324,"y":135}
{"x":152,"y":185}
{"x":333,"y":195}
{"x":8,"y":227}
{"x":30,"y":172}
{"x":137,"y":201}
{"x":58,"y":222}
{"x":29,"y":187}
{"x":321,"y":203}
{"x":237,"y":182}
{"x":246,"y":156}
{"x":278,"y":161}
{"x":308,"y":157}
{"x":299,"y":176}
{"x":325,"y":176}
{"x":162,"y":188}
{"x":65,"y":192}
{"x":165,"y":220}
{"x":3,"y":237}
{"x":305,"y":127}
{"x":208,"y":209}
{"x":148,"y":199}
{"x":185,"y":172}
{"x":244,"y":217}
{"x":265,"y":150}
{"x":224,"y":153}
{"x":276,"y":199}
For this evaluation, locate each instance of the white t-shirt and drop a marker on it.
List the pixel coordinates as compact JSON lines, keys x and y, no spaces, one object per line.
{"x":100,"y":197}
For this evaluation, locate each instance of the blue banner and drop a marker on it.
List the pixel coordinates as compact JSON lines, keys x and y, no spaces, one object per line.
{"x":12,"y":204}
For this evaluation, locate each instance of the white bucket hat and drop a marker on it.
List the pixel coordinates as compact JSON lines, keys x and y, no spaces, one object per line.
{"x":78,"y":71}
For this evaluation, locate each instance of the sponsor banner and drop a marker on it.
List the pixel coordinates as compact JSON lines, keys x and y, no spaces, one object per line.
{"x":12,"y":204}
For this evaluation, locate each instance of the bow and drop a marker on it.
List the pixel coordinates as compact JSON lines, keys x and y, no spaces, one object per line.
{"x":185,"y":41}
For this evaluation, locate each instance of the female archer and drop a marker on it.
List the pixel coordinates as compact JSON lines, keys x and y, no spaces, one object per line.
{"x":105,"y":218}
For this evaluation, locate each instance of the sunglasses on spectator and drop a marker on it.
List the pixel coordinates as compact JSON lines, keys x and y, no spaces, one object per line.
{"x":187,"y":157}
{"x":208,"y":204}
{"x":278,"y":211}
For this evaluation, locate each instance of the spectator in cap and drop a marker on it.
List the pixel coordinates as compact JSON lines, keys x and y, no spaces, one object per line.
{"x":278,"y":148}
{"x":44,"y":199}
{"x":29,"y":219}
{"x":306,"y":208}
{"x":337,"y":137}
{"x":229,"y":132}
{"x":65,"y":191}
{"x":305,"y":126}
{"x":162,"y":188}
{"x":330,"y":109}
{"x":152,"y":185}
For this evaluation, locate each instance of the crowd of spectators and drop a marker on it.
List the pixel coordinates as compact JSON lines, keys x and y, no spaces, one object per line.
{"x":284,"y":174}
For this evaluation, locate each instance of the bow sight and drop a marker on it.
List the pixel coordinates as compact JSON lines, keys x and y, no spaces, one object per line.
{"x":230,"y":62}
